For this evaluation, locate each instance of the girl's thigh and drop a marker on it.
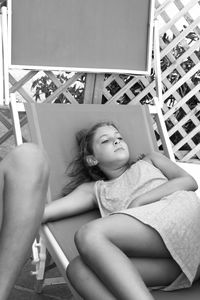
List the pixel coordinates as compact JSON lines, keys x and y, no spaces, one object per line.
{"x":132,"y":236}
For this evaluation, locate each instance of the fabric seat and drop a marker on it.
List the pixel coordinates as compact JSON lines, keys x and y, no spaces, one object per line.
{"x":53,"y":127}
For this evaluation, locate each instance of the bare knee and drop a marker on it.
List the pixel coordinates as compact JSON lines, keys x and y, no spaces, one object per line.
{"x":88,"y":237}
{"x":26,"y":160}
{"x":25,"y":173}
{"x":28,"y":154}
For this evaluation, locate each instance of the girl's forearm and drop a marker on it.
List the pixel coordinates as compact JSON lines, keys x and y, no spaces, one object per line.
{"x":173,"y":185}
{"x":79,"y":201}
{"x":59,"y":209}
{"x":54,"y":211}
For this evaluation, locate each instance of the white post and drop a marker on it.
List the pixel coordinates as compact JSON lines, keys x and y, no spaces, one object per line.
{"x":1,"y":63}
{"x":5,"y":54}
{"x":158,"y":74}
{"x":166,"y":143}
{"x":158,"y":101}
{"x":16,"y":121}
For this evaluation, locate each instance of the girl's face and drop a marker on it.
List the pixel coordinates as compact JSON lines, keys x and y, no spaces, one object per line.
{"x":109,"y":148}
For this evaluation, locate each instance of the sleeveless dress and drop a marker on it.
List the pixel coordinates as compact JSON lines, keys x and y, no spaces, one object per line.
{"x":175,"y":217}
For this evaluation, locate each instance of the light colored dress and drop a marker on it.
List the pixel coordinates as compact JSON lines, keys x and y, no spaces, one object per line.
{"x":175,"y":217}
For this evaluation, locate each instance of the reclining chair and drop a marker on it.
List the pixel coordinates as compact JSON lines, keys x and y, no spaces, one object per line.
{"x":53,"y":127}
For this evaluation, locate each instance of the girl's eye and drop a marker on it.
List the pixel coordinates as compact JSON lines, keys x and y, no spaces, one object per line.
{"x":104,"y":142}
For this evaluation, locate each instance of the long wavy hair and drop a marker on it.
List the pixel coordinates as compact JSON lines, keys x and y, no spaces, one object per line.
{"x":78,"y":170}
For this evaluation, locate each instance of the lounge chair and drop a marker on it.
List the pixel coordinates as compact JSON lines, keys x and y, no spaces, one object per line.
{"x":53,"y":127}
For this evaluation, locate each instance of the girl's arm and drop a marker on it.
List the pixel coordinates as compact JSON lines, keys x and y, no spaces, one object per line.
{"x":80,"y":200}
{"x":178,"y":179}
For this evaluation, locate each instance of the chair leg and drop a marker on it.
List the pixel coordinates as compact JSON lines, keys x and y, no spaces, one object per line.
{"x":38,"y":286}
{"x":40,"y":260}
{"x":43,"y":263}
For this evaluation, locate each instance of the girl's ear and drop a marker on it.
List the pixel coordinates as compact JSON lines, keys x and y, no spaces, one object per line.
{"x":91,"y":160}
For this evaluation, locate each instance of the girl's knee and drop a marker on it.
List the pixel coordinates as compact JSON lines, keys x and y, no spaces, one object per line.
{"x":89,"y":236}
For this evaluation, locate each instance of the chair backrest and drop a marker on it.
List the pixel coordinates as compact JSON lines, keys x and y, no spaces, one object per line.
{"x":54,"y":127}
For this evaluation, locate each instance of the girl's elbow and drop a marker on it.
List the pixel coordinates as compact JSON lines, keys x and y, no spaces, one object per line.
{"x":193,"y":184}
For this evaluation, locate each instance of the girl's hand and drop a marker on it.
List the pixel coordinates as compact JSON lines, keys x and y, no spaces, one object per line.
{"x":178,"y":180}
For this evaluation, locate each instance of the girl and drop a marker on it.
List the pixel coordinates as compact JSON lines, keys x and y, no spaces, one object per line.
{"x":149,"y":235}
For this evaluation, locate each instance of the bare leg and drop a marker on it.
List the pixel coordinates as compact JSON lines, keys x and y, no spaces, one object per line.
{"x":24,"y":180}
{"x":154,"y":272}
{"x":105,"y":246}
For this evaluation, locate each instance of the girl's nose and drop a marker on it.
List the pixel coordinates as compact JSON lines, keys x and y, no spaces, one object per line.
{"x":116,"y":141}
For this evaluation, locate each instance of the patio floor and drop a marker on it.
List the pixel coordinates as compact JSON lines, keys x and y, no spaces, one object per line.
{"x":24,"y":287}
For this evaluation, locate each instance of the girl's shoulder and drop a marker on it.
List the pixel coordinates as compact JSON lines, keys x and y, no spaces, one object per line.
{"x":87,"y":189}
{"x":152,"y":156}
{"x":151,"y":159}
{"x":144,"y":158}
{"x":147,"y":158}
{"x":87,"y":186}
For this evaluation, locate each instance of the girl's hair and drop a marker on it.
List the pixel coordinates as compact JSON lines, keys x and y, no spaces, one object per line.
{"x":78,"y":170}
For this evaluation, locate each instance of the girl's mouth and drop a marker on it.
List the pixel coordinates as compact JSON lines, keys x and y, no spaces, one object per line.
{"x":119,"y":148}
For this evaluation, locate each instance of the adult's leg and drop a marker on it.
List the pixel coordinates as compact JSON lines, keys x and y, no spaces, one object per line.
{"x":24,"y":181}
{"x":154,"y":272}
{"x":105,"y":245}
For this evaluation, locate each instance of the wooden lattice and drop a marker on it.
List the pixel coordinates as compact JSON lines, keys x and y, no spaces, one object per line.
{"x":179,"y":32}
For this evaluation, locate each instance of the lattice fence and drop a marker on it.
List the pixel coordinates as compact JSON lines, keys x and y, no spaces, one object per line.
{"x":180,"y":61}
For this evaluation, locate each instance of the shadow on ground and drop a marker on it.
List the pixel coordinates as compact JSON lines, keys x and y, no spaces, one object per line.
{"x":24,"y":287}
